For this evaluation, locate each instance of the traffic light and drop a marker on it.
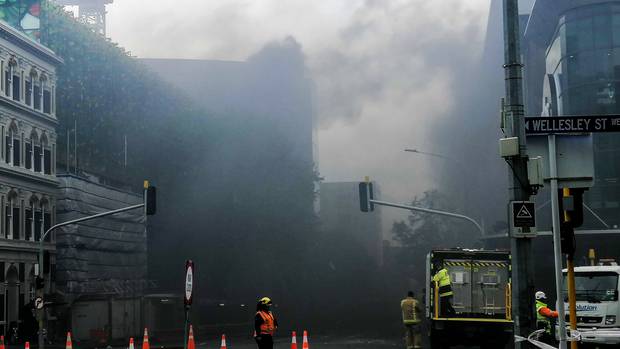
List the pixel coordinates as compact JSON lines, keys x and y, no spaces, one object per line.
{"x":366,"y":194}
{"x":39,"y":282}
{"x":151,"y":199}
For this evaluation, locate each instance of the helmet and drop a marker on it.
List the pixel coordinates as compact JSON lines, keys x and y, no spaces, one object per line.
{"x":540,"y":295}
{"x":265,"y":301}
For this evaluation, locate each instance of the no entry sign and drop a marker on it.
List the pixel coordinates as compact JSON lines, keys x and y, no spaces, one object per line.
{"x":189,"y":281}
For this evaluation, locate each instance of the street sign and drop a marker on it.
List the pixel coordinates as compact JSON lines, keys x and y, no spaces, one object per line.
{"x":38,"y":303}
{"x":189,"y":281}
{"x":523,"y":214}
{"x":572,"y":124}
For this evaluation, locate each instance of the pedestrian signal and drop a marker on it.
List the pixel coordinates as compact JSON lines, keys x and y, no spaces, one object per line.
{"x":366,"y":195}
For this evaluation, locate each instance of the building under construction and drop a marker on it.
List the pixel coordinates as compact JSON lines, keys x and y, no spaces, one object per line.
{"x":90,"y":12}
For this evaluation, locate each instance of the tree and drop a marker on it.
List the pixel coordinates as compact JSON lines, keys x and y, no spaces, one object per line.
{"x":423,"y":232}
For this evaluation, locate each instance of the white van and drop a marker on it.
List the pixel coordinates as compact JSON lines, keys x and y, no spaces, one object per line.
{"x":598,"y":309}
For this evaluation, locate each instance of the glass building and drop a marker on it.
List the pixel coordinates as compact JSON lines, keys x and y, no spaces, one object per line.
{"x":572,"y":59}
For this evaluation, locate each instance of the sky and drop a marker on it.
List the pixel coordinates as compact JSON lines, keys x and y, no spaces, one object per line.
{"x":386,"y":71}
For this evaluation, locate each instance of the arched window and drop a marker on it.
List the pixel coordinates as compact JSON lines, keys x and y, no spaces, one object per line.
{"x":47,"y":94}
{"x":29,"y":86}
{"x":29,"y":144}
{"x":38,"y":91}
{"x":29,"y":212}
{"x":46,"y":155}
{"x":46,"y":218}
{"x":11,"y":216}
{"x":9,"y":72}
{"x":12,"y":148}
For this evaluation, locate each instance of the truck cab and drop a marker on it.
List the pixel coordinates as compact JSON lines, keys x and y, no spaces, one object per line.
{"x":598,"y":309}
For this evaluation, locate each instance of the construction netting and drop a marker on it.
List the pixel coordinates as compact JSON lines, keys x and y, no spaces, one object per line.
{"x":105,"y":255}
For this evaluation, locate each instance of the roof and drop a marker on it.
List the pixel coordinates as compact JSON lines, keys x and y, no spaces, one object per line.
{"x":15,"y":36}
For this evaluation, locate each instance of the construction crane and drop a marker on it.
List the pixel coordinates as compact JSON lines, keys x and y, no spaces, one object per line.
{"x":90,"y":12}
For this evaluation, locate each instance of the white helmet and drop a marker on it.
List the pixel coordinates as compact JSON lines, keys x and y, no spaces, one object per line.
{"x":540,"y":295}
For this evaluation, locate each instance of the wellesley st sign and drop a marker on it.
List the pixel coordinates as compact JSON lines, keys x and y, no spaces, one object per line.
{"x":572,"y":124}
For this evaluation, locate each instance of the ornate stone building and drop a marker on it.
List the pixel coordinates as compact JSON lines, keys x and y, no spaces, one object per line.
{"x":28,"y":183}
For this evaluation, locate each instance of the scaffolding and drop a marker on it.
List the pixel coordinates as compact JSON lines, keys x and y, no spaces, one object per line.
{"x":90,"y":12}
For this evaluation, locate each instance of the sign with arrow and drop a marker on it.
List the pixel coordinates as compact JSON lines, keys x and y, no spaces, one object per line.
{"x":523,"y":214}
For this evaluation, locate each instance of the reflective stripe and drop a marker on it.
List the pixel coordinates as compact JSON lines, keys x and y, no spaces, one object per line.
{"x":268,"y":326}
{"x":409,"y":307}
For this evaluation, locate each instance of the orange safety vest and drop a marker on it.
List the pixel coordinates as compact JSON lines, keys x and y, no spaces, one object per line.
{"x":268,"y":326}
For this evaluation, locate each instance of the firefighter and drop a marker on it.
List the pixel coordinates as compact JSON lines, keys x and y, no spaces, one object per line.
{"x":442,"y":279}
{"x":543,"y":317}
{"x":411,"y":320}
{"x":265,"y":324}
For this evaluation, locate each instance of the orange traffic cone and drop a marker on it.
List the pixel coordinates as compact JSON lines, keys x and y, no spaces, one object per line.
{"x":1,"y":342}
{"x":145,"y":340}
{"x":223,"y":345}
{"x":69,"y":344}
{"x":27,"y":346}
{"x":294,"y":341}
{"x":190,"y":341}
{"x":305,"y":344}
{"x":131,"y":343}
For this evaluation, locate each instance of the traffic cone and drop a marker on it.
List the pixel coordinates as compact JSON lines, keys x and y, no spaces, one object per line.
{"x":1,"y":342}
{"x":145,"y":339}
{"x":27,"y":346}
{"x":305,"y":344}
{"x":190,"y":341}
{"x":69,"y":344}
{"x":223,"y":345}
{"x":131,"y":343}
{"x":294,"y":341}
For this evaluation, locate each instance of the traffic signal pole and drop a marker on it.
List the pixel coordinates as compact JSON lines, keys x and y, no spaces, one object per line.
{"x":521,"y":248}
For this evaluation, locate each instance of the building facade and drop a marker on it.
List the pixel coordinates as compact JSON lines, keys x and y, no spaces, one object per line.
{"x":28,"y":181}
{"x":572,"y":51}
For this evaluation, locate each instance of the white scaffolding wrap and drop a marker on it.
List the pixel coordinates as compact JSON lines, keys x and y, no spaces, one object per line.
{"x":105,"y":255}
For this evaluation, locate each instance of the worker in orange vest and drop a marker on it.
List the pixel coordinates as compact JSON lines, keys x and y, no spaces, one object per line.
{"x":265,"y":324}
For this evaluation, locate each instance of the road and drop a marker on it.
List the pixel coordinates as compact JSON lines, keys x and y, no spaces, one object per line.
{"x":318,"y":343}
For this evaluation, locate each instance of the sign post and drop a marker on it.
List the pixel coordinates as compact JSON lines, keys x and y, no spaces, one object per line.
{"x":189,"y":288}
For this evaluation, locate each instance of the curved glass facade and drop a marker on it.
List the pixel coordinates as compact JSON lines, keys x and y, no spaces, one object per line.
{"x":584,"y":60}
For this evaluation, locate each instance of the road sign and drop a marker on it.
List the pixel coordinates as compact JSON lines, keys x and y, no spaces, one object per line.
{"x":38,"y":303}
{"x":572,"y":124}
{"x":523,"y":214}
{"x":189,"y":281}
{"x":574,"y":157}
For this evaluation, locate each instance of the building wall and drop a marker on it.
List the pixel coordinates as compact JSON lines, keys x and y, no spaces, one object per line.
{"x":27,"y":171}
{"x":583,"y":64}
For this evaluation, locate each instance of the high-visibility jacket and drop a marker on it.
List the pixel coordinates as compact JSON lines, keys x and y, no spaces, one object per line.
{"x":269,"y":324}
{"x":445,"y":284}
{"x":543,"y":314}
{"x":410,"y":309}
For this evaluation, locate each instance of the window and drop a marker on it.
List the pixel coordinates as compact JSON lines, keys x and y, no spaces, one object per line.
{"x":37,"y":224}
{"x":47,"y":221}
{"x":12,"y":148}
{"x":47,"y":161}
{"x":47,"y":101}
{"x":28,"y":159}
{"x":28,"y":229}
{"x":37,"y":96}
{"x":8,"y":78}
{"x":28,"y":92}
{"x":37,"y":158}
{"x":16,"y":88}
{"x":11,"y":213}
